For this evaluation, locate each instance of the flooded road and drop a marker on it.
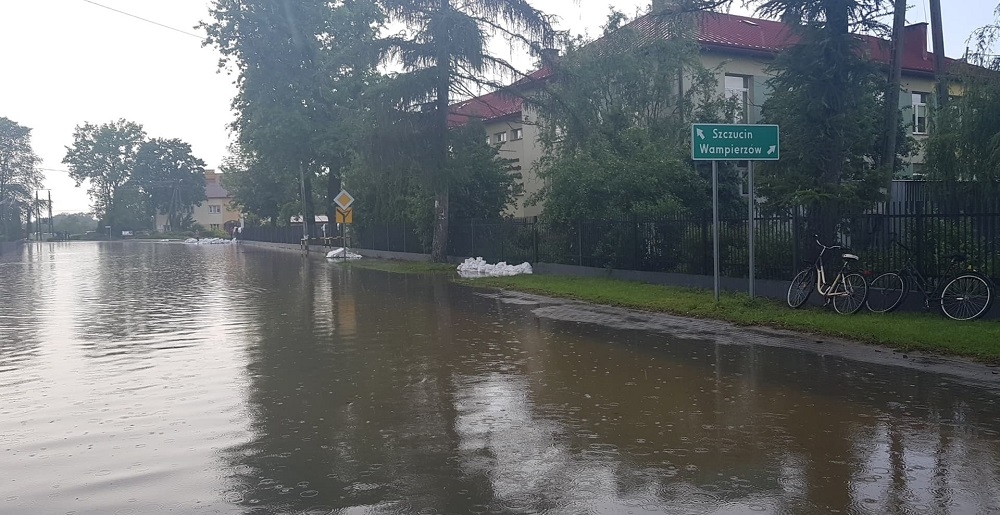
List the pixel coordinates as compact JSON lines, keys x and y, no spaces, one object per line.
{"x":154,"y":378}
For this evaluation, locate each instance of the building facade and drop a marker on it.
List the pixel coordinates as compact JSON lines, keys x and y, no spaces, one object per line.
{"x":217,"y":212}
{"x":740,"y":49}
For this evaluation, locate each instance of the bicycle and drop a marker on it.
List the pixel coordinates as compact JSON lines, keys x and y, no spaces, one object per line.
{"x":847,"y":292}
{"x":962,"y":294}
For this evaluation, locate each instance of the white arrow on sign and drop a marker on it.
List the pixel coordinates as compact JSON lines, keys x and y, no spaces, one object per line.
{"x":772,"y":149}
{"x":700,"y":133}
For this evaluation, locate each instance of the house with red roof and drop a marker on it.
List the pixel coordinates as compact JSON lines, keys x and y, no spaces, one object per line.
{"x":216,"y":212}
{"x":739,"y":47}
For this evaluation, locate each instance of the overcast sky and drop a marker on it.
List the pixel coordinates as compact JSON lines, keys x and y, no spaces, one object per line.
{"x":66,"y":62}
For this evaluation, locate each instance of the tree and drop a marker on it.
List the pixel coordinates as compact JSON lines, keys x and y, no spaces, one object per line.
{"x":446,"y":51}
{"x":301,"y":68}
{"x":255,"y":187}
{"x":74,"y":223}
{"x":106,"y":156}
{"x":964,"y":146}
{"x":615,"y":129}
{"x":826,"y":97}
{"x":963,"y":150}
{"x":19,"y":176}
{"x":170,"y":177}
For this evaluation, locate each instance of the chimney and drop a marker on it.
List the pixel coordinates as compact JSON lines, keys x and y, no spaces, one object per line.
{"x":549,"y":56}
{"x":916,"y":36}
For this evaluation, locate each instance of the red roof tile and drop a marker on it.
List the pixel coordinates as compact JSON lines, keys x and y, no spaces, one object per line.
{"x":728,"y":31}
{"x":495,"y":105}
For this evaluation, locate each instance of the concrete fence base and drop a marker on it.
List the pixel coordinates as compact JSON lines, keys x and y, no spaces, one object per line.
{"x":767,"y":288}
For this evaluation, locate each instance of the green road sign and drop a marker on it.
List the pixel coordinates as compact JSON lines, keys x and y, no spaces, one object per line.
{"x":730,"y":142}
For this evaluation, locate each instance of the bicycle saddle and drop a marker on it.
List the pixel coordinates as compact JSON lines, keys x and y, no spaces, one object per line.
{"x":958,"y":258}
{"x":849,"y":257}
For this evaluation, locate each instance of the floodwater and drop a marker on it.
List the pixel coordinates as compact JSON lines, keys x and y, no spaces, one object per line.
{"x":153,"y":378}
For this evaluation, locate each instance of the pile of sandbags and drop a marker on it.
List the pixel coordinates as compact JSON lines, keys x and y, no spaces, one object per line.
{"x":478,"y":267}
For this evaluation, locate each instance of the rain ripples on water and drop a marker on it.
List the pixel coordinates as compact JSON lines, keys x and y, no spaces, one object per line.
{"x":152,"y":378}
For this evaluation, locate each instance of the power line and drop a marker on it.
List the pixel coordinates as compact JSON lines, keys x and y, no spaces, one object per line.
{"x":144,"y":19}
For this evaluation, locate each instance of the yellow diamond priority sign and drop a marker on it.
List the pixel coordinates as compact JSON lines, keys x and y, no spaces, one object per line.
{"x":343,"y":199}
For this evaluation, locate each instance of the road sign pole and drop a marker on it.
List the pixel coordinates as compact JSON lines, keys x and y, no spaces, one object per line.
{"x":750,"y":224}
{"x":305,"y":226}
{"x":715,"y":225}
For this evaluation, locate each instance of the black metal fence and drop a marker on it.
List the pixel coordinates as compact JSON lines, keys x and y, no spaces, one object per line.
{"x":279,"y":234}
{"x":932,"y":231}
{"x":783,"y":243}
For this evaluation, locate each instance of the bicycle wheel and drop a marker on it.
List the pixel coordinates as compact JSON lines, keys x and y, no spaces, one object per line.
{"x":850,"y":295}
{"x":886,"y":292}
{"x":966,"y":297}
{"x":801,"y":287}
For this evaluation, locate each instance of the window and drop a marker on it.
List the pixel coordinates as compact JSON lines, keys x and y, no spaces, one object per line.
{"x":500,"y":137}
{"x":214,"y":209}
{"x":516,"y":134}
{"x":214,"y":227}
{"x":920,"y":112}
{"x":738,"y":91}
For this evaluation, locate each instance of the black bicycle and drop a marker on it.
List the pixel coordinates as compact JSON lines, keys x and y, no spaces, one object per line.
{"x":847,"y":291}
{"x":962,"y":294}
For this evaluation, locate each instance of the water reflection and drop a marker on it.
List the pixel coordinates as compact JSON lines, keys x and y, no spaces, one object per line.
{"x":249,"y":381}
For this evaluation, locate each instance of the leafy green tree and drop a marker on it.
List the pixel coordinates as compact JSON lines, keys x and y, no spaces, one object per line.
{"x":615,"y":129}
{"x":105,"y":155}
{"x":256,"y":187}
{"x":827,"y":96}
{"x":19,"y":176}
{"x":170,"y":177}
{"x":444,"y":53}
{"x":301,"y":69}
{"x":963,"y":150}
{"x":74,"y":223}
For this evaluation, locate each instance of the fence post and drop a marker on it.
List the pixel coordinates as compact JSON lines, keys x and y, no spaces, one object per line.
{"x":635,"y":243}
{"x":472,"y":237}
{"x":534,"y":239}
{"x":404,"y":235}
{"x":920,"y":239}
{"x":579,"y":243}
{"x":795,"y":239}
{"x":706,"y":258}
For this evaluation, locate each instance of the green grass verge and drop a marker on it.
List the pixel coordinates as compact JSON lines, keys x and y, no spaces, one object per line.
{"x":903,"y":331}
{"x":403,"y":267}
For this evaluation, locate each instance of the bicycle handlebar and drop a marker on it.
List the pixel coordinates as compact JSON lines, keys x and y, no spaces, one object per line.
{"x":824,"y":246}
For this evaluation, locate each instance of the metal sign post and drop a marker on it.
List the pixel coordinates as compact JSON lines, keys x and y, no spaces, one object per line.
{"x":344,"y":216}
{"x":734,"y":142}
{"x":715,"y":227}
{"x":750,"y":225}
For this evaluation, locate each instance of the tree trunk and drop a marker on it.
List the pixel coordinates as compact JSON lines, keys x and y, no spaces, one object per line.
{"x":838,"y":26}
{"x":892,"y":93}
{"x":439,"y":245}
{"x":937,"y":36}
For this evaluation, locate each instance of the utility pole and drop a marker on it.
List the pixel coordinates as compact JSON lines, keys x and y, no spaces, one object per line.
{"x":302,"y":188}
{"x":937,"y":36}
{"x":52,"y":229}
{"x":38,"y":218}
